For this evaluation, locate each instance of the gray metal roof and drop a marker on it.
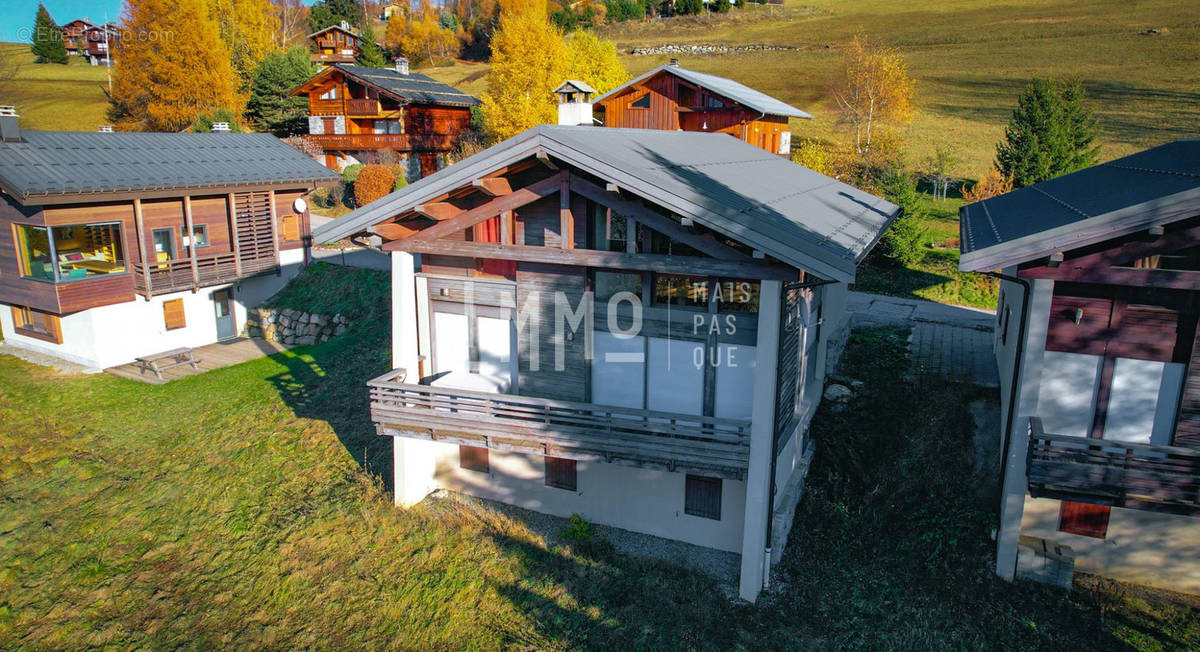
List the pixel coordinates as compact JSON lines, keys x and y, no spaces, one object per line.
{"x":1082,"y":208}
{"x":413,"y":87}
{"x":738,"y":92}
{"x":787,"y":211}
{"x":50,"y":164}
{"x":577,"y":85}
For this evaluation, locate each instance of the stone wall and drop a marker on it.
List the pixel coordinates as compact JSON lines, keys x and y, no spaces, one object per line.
{"x":294,"y":327}
{"x":704,"y":49}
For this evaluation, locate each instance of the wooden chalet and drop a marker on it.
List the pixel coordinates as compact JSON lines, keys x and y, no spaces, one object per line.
{"x":339,"y":43}
{"x":108,"y":239}
{"x":675,"y":98}
{"x":1097,"y":347}
{"x":73,"y":35}
{"x":632,"y":325}
{"x":354,"y":111}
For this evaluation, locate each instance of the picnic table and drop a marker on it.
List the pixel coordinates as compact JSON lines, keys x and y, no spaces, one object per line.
{"x":166,"y":360}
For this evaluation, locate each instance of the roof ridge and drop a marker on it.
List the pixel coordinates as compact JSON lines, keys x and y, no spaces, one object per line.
{"x":1061,"y":202}
{"x":1136,"y":168}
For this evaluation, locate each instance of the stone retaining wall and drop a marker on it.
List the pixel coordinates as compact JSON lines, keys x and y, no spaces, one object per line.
{"x":294,"y":327}
{"x":705,"y":49}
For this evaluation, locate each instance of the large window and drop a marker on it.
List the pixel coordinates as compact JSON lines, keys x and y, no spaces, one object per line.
{"x":67,"y":253}
{"x":37,"y":324}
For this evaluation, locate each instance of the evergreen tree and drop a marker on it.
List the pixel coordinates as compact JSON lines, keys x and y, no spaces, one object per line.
{"x":1049,"y":134}
{"x":369,"y":53}
{"x":331,"y":12}
{"x":684,"y":7}
{"x":271,"y":105}
{"x":165,"y":82}
{"x":901,"y":241}
{"x":47,"y":45}
{"x":722,"y":6}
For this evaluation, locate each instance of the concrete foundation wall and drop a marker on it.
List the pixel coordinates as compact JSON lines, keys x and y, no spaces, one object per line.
{"x":1159,"y":550}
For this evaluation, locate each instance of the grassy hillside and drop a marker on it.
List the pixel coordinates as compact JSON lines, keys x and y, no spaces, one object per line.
{"x":53,"y":96}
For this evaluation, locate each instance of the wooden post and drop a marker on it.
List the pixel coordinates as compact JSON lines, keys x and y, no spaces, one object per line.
{"x":191,"y":234}
{"x":231,"y":209}
{"x":274,"y":226}
{"x":506,"y":227}
{"x":141,"y":241}
{"x":566,"y":221}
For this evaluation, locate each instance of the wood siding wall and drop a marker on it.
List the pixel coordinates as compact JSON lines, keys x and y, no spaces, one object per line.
{"x":570,"y":382}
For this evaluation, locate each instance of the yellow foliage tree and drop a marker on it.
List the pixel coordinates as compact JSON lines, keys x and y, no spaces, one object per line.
{"x":529,"y":60}
{"x":421,"y":37}
{"x":249,"y":29}
{"x":993,"y":183}
{"x":373,"y":182}
{"x":170,"y":67}
{"x":875,"y":91}
{"x":594,"y":60}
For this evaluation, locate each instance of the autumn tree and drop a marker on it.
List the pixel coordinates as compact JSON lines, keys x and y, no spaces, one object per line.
{"x":992,"y":184}
{"x":422,"y":37}
{"x":293,"y":20}
{"x":48,"y":46}
{"x":171,"y":68}
{"x":529,"y":60}
{"x":249,"y":29}
{"x":875,"y":91}
{"x":937,"y":170}
{"x":373,"y":181}
{"x":271,"y":104}
{"x":1049,"y":134}
{"x":594,"y":60}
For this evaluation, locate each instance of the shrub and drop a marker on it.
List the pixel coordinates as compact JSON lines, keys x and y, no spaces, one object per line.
{"x":993,"y":183}
{"x":814,"y":155}
{"x":350,"y":173}
{"x":373,"y":182}
{"x":721,"y":6}
{"x":578,"y":529}
{"x":204,"y":122}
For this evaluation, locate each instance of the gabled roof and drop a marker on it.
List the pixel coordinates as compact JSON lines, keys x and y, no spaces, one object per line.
{"x":789,"y":212}
{"x":1099,"y":203}
{"x":54,"y":165}
{"x":574,"y":85}
{"x":347,"y":29}
{"x":413,"y":88}
{"x":735,"y":91}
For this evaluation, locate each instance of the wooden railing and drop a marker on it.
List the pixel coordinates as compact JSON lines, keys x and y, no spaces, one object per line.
{"x":361,"y":141}
{"x":1137,"y":476}
{"x":582,"y":431}
{"x":362,"y":107}
{"x":175,"y":275}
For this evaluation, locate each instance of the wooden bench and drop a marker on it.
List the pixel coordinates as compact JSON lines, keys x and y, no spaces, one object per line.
{"x":166,"y":360}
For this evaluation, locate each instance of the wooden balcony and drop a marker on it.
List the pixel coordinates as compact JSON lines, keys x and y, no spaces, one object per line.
{"x":1137,"y":476}
{"x":363,"y":107}
{"x":216,"y":269}
{"x":362,"y":141}
{"x":579,"y":431}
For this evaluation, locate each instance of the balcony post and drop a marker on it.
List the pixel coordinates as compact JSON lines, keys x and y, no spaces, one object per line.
{"x":233,"y":235}
{"x":191,"y":234}
{"x":412,"y":461}
{"x":141,"y":242}
{"x":762,"y":444}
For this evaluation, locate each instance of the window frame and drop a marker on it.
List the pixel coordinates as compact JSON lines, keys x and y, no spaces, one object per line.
{"x":697,"y":483}
{"x":469,"y":463}
{"x":561,"y":473}
{"x":202,"y":228}
{"x":24,"y":324}
{"x":57,"y":277}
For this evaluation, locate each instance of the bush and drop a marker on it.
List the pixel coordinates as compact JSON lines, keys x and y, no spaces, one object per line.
{"x":815,"y":156}
{"x":721,"y":6}
{"x":204,"y":122}
{"x":685,"y":7}
{"x":350,"y":173}
{"x":901,"y":242}
{"x":373,"y":182}
{"x":578,"y":529}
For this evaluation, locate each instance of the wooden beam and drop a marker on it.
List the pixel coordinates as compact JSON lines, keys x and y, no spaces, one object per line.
{"x":274,"y":223}
{"x":392,"y":231}
{"x":439,"y":210}
{"x":141,"y":240}
{"x":590,"y":258}
{"x":494,"y":186}
{"x":660,"y":223}
{"x":612,"y":187}
{"x":470,"y":218}
{"x":566,"y":220}
{"x":506,"y":230}
{"x":231,"y":210}
{"x":191,"y":233}
{"x":544,"y":159}
{"x":1161,"y":278}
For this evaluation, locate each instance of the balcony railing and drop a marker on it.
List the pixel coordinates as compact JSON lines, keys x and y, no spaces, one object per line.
{"x":362,"y":107}
{"x":361,"y":141}
{"x":581,"y":431}
{"x":1137,"y":476}
{"x":175,"y":275}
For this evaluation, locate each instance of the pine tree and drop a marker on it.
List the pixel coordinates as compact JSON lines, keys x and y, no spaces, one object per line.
{"x":48,"y":44}
{"x":594,"y":60}
{"x":529,"y":60}
{"x":369,"y":53}
{"x":331,"y":12}
{"x":1049,"y":134}
{"x":271,"y":105}
{"x":180,"y":69}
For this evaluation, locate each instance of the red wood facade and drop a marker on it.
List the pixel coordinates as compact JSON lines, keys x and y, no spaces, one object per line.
{"x":665,"y":101}
{"x":235,"y":234}
{"x":335,"y":44}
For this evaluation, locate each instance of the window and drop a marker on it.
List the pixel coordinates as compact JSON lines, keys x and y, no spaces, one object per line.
{"x":561,"y":474}
{"x":199,"y":235}
{"x":1084,"y":519}
{"x":173,"y":316}
{"x":642,"y":102}
{"x":387,"y":127}
{"x":610,"y":231}
{"x":164,"y":244}
{"x":713,"y":103}
{"x":37,"y":324}
{"x":473,"y":458}
{"x":736,"y":295}
{"x":66,"y":253}
{"x":702,"y":497}
{"x":608,"y":284}
{"x":330,"y":94}
{"x":680,"y":290}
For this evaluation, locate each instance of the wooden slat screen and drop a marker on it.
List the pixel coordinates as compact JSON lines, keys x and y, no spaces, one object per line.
{"x":36,"y":324}
{"x":473,"y":458}
{"x":702,"y":497}
{"x":788,"y":371}
{"x":561,"y":473}
{"x":255,"y":235}
{"x":173,"y":316}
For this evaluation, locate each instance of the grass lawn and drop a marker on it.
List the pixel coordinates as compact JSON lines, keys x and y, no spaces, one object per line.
{"x":243,"y":507}
{"x":51,"y":96}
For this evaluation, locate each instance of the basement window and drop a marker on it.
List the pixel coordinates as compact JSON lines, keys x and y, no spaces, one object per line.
{"x":702,"y":497}
{"x":561,"y":473}
{"x":474,"y":458}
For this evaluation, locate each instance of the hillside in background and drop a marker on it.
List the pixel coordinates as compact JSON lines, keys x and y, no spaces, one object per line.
{"x":53,"y":96}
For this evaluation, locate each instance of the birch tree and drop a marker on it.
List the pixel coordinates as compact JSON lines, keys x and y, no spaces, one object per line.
{"x":875,"y":91}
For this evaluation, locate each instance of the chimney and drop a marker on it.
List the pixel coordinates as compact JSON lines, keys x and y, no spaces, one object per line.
{"x":105,"y":129}
{"x":574,"y":103}
{"x":10,"y":125}
{"x":402,"y":65}
{"x":673,"y":62}
{"x":220,"y":127}
{"x":344,"y":25}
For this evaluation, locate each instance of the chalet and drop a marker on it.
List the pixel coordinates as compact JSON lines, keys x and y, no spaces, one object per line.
{"x":120,"y":245}
{"x":355,"y":112}
{"x":1096,"y":341}
{"x":627,"y":324}
{"x":73,"y":35}
{"x":675,"y":98}
{"x":99,"y":41}
{"x":339,"y":43}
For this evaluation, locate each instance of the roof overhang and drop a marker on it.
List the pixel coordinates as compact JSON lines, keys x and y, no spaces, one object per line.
{"x":157,"y":192}
{"x":675,"y":72}
{"x":1083,"y":233}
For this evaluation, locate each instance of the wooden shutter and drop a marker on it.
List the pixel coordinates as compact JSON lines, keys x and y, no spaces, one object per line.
{"x":173,"y":314}
{"x":561,"y":473}
{"x":702,"y":497}
{"x":1084,"y":518}
{"x":36,"y":324}
{"x":473,"y":458}
{"x":291,"y":227}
